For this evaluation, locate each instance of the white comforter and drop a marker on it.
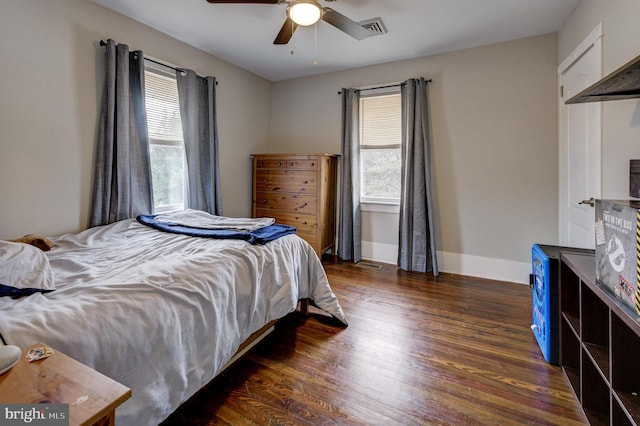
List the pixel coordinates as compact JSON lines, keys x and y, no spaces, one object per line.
{"x":162,"y":313}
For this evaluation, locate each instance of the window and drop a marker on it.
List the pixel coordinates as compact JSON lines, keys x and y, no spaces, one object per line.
{"x":380,"y":142}
{"x":165,"y":140}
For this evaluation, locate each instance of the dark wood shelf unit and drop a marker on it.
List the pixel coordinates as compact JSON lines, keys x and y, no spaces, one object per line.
{"x":599,"y":345}
{"x":624,"y":83}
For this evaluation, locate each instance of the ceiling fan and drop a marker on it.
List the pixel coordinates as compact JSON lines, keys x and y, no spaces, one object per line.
{"x":307,"y":12}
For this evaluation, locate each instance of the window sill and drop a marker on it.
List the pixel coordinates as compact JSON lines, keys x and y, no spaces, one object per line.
{"x":168,"y":208}
{"x":379,"y":207}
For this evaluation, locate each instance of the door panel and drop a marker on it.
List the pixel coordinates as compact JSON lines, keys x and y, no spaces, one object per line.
{"x":580,"y":152}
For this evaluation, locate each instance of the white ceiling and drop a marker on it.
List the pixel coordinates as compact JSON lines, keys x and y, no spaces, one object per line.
{"x":243,"y":34}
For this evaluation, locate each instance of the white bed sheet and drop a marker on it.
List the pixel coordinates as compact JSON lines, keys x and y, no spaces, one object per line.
{"x":162,"y":313}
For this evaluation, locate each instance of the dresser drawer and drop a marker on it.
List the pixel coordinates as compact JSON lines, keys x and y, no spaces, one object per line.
{"x":272,"y":163}
{"x":288,"y":202}
{"x":304,"y":223}
{"x":307,"y":164}
{"x":304,"y":163}
{"x":304,"y":181}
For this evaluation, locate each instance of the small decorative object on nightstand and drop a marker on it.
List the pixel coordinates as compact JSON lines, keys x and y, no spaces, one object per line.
{"x":58,"y":379}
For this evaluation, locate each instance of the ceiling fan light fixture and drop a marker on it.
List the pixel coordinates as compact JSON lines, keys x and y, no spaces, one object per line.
{"x":304,"y":12}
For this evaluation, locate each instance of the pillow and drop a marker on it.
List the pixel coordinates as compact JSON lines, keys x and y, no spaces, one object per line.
{"x":43,"y":243}
{"x":24,"y":270}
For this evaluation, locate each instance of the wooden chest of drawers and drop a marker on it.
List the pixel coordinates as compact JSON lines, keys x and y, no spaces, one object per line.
{"x":298,"y":190}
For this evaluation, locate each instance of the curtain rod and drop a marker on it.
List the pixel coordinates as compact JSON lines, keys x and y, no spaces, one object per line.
{"x":103,"y":43}
{"x":383,"y":87}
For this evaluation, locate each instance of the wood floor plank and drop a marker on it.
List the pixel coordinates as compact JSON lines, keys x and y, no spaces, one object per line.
{"x":418,"y":350}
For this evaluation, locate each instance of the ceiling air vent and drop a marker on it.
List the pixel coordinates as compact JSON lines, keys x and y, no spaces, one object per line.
{"x":375,"y":26}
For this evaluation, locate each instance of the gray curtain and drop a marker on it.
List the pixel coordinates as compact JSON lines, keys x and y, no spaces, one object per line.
{"x":349,"y":244}
{"x":122,"y":175}
{"x":417,"y":251}
{"x":200,"y":128}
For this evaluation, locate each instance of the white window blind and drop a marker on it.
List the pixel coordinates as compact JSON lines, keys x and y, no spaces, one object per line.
{"x":163,"y":108}
{"x":380,"y":121}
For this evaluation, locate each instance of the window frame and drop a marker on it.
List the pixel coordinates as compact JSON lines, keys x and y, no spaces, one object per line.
{"x":154,"y":141}
{"x":378,"y":204}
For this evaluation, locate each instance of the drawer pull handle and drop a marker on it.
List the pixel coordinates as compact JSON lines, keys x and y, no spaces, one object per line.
{"x":279,"y":164}
{"x":264,"y":201}
{"x":260,"y":164}
{"x":304,"y":223}
{"x":266,"y":180}
{"x":305,"y":182}
{"x":305,"y":204}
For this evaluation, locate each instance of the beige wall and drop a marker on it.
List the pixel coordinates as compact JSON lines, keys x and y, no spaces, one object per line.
{"x":48,"y":107}
{"x":620,"y":119}
{"x":494,"y":119}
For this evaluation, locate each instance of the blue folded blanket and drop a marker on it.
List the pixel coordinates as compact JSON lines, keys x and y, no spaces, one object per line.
{"x":258,"y":236}
{"x":16,"y":293}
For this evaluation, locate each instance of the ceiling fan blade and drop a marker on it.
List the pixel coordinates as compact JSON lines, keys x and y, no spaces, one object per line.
{"x":286,"y":32}
{"x":345,"y":24}
{"x":245,"y":1}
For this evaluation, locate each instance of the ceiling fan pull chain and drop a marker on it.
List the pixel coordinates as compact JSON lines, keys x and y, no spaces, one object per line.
{"x":315,"y":44}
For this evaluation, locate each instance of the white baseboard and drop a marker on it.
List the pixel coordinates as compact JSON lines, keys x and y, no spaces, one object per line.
{"x":455,"y":263}
{"x":484,"y":267}
{"x":378,"y":252}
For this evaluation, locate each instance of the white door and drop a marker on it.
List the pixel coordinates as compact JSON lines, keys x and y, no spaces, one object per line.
{"x":580,"y":152}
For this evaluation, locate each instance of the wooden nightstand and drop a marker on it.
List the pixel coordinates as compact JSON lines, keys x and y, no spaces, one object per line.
{"x":92,"y":396}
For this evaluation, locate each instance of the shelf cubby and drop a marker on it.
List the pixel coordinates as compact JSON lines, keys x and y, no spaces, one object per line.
{"x":618,"y":415}
{"x":595,"y":329}
{"x":570,"y":297}
{"x":595,"y":394}
{"x":570,"y":349}
{"x":625,"y":370}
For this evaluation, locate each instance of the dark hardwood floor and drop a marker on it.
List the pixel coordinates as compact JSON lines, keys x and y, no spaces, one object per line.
{"x":448,"y":351}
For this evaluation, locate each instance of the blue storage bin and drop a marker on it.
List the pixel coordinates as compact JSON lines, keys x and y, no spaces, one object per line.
{"x":545,"y":313}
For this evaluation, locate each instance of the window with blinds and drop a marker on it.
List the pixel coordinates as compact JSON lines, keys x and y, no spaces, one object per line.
{"x":380,"y":144}
{"x":165,"y":140}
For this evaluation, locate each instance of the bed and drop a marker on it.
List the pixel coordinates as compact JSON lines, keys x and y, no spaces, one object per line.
{"x":160,"y":312}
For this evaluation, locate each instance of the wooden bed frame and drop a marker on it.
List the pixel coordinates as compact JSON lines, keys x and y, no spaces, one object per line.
{"x":248,"y":344}
{"x":259,"y":335}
